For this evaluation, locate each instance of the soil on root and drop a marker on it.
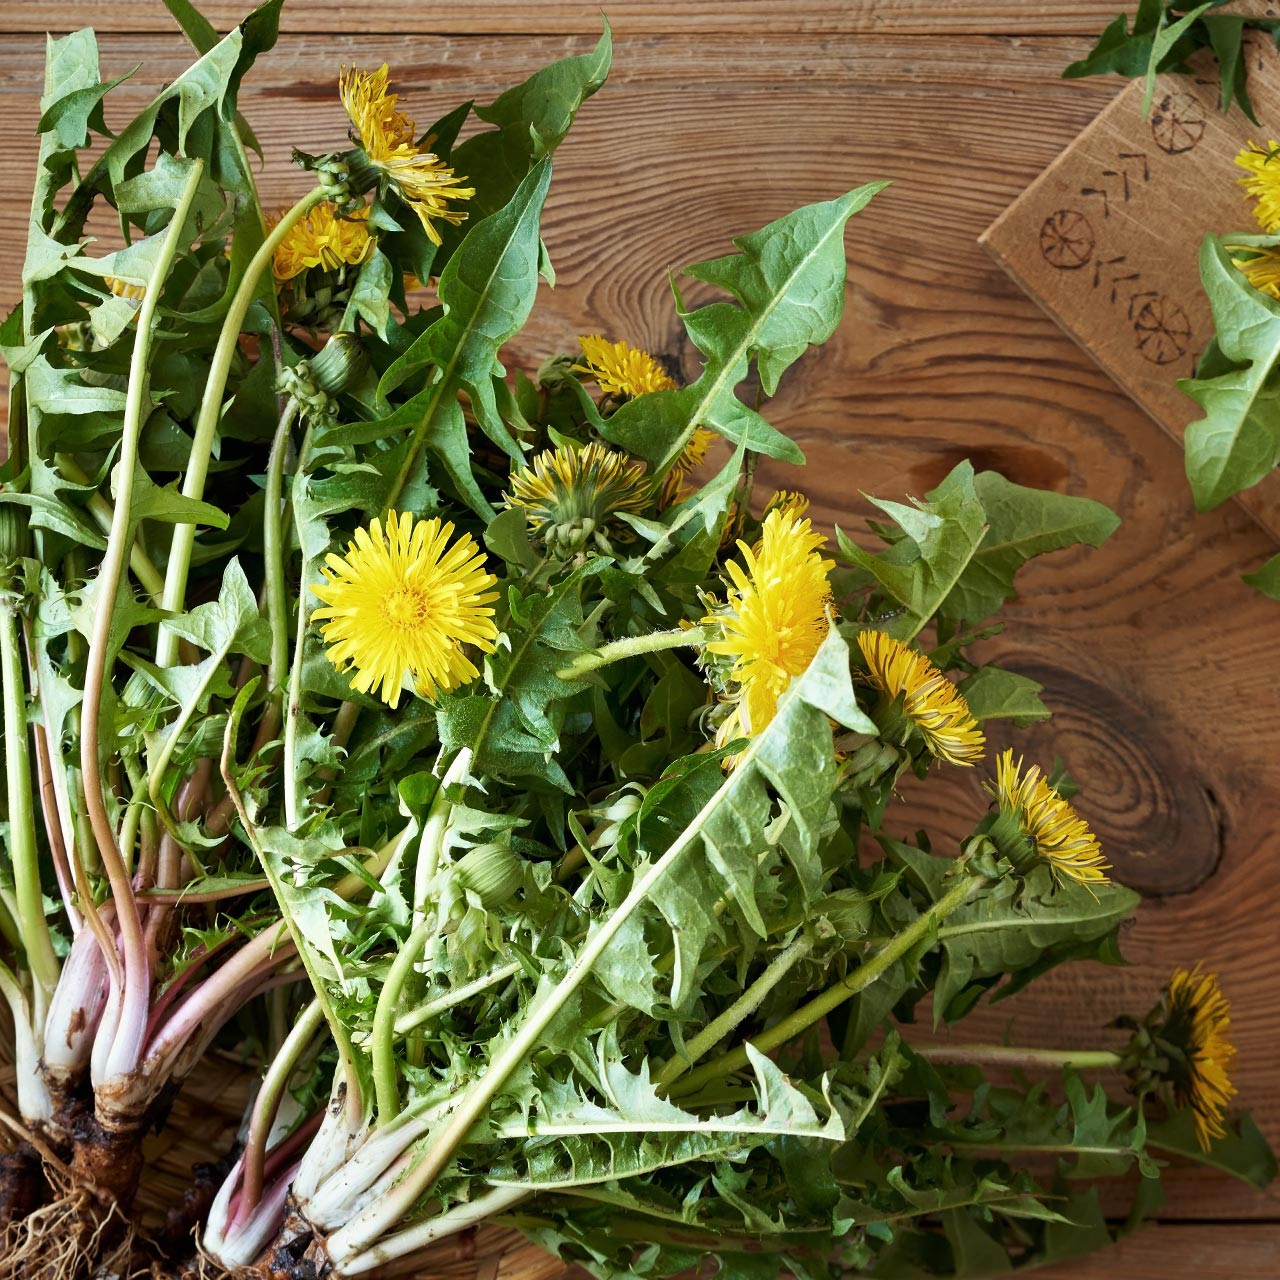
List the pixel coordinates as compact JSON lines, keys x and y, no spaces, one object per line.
{"x":22,"y":1184}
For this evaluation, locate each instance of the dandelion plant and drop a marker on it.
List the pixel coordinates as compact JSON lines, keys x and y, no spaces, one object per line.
{"x":478,"y":755}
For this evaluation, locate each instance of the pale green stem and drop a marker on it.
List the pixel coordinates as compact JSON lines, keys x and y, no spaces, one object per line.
{"x":23,"y":851}
{"x":293,"y":711}
{"x":431,"y":846}
{"x":184,"y":535}
{"x":386,"y":1083}
{"x":293,"y":708}
{"x":860,"y":979}
{"x":433,"y":1008}
{"x":131,"y":1025}
{"x":140,"y":564}
{"x":741,"y":1009}
{"x":484,"y":1208}
{"x":273,"y":549}
{"x":1005,"y":1055}
{"x":267,"y":1104}
{"x":632,"y":646}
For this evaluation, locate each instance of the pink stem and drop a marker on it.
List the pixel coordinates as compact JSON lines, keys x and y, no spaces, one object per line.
{"x":53,"y":829}
{"x":267,"y":949}
{"x":282,"y":1152}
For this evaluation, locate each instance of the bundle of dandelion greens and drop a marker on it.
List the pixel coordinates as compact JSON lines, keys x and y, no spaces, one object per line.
{"x":507,"y":793}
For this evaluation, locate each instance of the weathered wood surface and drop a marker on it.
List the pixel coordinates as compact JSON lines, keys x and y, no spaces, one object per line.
{"x":1155,"y":656}
{"x":483,"y":17}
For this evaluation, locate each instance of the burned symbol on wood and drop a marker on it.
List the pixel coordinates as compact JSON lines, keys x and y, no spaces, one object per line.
{"x":1066,"y":240}
{"x":1161,"y":330}
{"x":1110,"y":272}
{"x":1177,"y":123}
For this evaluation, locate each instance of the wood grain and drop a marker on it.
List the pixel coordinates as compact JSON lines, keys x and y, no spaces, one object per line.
{"x":485,"y":17}
{"x":532,"y":17}
{"x":1154,"y":654}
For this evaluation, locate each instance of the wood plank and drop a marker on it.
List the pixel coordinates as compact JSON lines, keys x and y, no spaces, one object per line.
{"x":491,"y":17}
{"x":1151,"y":649}
{"x":1107,"y":239}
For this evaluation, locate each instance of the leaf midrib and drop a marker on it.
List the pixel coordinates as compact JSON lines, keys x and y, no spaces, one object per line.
{"x":743,"y":349}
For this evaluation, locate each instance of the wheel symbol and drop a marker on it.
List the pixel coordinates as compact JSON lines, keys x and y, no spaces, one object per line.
{"x":1066,"y":240}
{"x":1177,"y":123}
{"x":1162,"y":331}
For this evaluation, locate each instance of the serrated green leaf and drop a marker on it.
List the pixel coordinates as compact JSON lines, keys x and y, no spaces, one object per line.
{"x":995,"y":694}
{"x":1237,"y":442}
{"x":1244,"y":1152}
{"x":487,"y":290}
{"x":921,"y":570}
{"x":1021,"y":523}
{"x":787,"y":281}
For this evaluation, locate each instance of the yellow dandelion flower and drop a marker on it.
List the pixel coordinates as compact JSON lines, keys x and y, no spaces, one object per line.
{"x":322,"y":239}
{"x":773,"y":621}
{"x":620,"y":370}
{"x":929,"y":700}
{"x":571,"y":496}
{"x":1261,"y":268}
{"x":386,"y":136}
{"x":1263,"y":182}
{"x":1197,"y":1022}
{"x":788,"y":500}
{"x":691,"y":456}
{"x":404,"y":602}
{"x":125,"y":288}
{"x":1056,"y":832}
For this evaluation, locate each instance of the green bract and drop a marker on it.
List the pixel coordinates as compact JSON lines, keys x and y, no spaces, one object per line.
{"x":536,"y":950}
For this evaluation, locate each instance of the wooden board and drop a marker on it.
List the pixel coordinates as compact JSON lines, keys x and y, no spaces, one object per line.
{"x":961,"y":17}
{"x":1151,"y":649}
{"x":1107,"y":239}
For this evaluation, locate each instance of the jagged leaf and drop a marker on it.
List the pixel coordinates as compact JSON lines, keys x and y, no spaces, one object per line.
{"x":787,"y":282}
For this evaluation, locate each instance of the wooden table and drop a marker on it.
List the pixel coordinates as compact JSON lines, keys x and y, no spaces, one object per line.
{"x":723,"y":114}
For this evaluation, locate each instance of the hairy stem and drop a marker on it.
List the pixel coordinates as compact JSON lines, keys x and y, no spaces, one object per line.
{"x":184,"y":535}
{"x":630,"y":647}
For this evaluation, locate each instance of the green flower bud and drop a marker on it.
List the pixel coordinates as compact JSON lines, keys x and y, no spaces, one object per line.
{"x":339,"y":364}
{"x":492,"y":872}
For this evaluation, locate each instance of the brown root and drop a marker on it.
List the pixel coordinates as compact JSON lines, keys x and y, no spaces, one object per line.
{"x":75,"y":1236}
{"x":177,"y":1239}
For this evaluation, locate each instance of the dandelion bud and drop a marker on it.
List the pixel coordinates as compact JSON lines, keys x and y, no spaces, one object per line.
{"x":492,"y":872}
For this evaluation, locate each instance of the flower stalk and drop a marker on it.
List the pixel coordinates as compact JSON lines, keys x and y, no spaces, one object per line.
{"x":967,"y":886}
{"x":632,"y":647}
{"x":184,"y":535}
